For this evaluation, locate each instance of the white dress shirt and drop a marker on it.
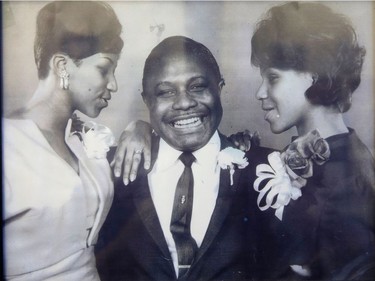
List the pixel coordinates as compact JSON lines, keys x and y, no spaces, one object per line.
{"x":163,"y":180}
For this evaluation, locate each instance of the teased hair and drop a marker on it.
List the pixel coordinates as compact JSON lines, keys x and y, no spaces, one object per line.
{"x":310,"y":37}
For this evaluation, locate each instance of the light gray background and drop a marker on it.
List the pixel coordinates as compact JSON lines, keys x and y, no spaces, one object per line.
{"x":224,"y":27}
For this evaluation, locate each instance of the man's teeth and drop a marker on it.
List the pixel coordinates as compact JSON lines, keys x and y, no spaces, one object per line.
{"x":187,"y":123}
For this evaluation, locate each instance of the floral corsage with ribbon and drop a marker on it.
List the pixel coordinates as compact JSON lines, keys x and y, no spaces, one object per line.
{"x":96,"y":138}
{"x":232,"y":158}
{"x":287,"y":172}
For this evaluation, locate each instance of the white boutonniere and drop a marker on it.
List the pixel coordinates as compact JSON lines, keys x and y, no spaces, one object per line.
{"x":287,"y":172}
{"x":232,"y":158}
{"x":96,"y":139}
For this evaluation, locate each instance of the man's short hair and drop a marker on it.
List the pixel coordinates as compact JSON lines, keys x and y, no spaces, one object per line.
{"x":180,"y":45}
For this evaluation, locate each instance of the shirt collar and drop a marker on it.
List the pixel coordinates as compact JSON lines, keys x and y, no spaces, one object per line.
{"x":205,"y":155}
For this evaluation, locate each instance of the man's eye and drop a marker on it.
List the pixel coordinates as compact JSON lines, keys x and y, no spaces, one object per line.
{"x":165,"y":93}
{"x":197,"y":87}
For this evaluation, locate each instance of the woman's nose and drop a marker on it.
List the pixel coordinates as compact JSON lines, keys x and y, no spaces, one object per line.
{"x":261,"y":92}
{"x":184,"y":101}
{"x":112,"y":83}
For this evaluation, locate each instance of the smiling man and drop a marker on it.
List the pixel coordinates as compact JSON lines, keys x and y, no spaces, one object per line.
{"x":185,"y":219}
{"x":181,"y":88}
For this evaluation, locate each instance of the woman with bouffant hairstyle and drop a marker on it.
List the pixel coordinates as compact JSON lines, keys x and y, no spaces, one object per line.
{"x":316,"y":198}
{"x":308,"y":37}
{"x":57,"y":183}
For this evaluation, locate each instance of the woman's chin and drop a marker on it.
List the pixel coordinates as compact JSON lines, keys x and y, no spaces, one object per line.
{"x":276,"y":130}
{"x":93,"y":114}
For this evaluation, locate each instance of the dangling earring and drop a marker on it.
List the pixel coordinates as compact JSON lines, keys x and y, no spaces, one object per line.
{"x":64,"y":79}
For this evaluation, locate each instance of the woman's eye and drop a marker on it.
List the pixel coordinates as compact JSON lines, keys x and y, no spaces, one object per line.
{"x":272,"y":78}
{"x":103,"y":71}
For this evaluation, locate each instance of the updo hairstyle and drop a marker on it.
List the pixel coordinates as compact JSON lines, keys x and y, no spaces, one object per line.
{"x":78,"y":29}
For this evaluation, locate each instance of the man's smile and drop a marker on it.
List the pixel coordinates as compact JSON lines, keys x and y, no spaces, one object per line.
{"x":187,"y":123}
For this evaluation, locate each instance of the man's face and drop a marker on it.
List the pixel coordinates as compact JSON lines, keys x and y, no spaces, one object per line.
{"x":183,"y":97}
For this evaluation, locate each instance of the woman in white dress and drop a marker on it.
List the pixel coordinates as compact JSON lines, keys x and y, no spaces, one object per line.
{"x":57,"y":183}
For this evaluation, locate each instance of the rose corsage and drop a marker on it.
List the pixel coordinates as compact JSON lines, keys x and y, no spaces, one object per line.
{"x":232,"y":158}
{"x":96,"y":138}
{"x":287,"y":172}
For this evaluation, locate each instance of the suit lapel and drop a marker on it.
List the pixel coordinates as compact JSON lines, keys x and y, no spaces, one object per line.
{"x":148,"y":215}
{"x":146,"y":208}
{"x":222,"y":207}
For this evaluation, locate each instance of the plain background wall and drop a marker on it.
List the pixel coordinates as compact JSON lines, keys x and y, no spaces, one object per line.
{"x":224,"y":27}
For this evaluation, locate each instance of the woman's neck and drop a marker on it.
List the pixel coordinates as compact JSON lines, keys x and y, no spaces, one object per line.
{"x":328,"y":121}
{"x":49,"y":108}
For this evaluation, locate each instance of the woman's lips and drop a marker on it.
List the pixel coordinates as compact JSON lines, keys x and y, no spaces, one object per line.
{"x":271,"y":114}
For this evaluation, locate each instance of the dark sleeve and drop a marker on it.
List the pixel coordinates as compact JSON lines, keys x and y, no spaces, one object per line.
{"x":346,"y":229}
{"x":110,"y":249}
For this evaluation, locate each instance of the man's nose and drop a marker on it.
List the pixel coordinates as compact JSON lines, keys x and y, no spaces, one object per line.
{"x":261,"y":92}
{"x":184,"y":101}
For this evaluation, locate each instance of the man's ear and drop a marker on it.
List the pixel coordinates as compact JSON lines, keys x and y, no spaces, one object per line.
{"x":221,"y":85}
{"x":145,"y":99}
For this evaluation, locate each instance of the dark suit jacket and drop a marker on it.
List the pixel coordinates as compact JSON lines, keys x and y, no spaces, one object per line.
{"x":132,"y":246}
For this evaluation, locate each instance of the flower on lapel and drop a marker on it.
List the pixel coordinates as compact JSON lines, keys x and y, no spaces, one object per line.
{"x":288,"y":171}
{"x":96,"y":139}
{"x":232,"y":158}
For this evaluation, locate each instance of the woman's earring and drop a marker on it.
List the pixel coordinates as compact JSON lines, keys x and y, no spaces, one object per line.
{"x":222,"y":83}
{"x":64,"y":79}
{"x":315,"y":77}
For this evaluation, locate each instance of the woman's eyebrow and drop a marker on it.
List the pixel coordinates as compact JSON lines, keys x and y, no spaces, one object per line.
{"x":108,"y":58}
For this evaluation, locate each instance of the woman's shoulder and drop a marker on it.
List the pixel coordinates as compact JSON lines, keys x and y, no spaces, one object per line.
{"x":348,"y":147}
{"x":346,"y":179}
{"x":350,"y":157}
{"x":13,"y":127}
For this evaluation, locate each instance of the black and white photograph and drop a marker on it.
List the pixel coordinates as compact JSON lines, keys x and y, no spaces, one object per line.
{"x":188,"y":140}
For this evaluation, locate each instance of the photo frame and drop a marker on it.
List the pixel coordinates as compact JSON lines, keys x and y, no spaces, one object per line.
{"x":225,"y":27}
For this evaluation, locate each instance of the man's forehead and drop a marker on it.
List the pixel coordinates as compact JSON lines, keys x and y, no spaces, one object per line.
{"x":173,"y":63}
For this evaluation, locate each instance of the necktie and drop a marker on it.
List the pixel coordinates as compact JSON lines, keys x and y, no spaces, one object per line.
{"x":181,"y":216}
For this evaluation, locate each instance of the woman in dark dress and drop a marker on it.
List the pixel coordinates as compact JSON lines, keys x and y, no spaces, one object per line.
{"x":316,"y":198}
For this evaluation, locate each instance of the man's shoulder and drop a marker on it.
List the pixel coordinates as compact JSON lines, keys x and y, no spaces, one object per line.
{"x":258,"y":155}
{"x":260,"y":151}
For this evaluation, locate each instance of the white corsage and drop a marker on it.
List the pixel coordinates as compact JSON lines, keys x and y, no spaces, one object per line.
{"x":280,"y":189}
{"x":96,"y":139}
{"x":287,"y":172}
{"x":231,"y":158}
